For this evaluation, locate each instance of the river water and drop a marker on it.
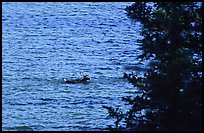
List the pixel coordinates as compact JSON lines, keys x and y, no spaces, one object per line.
{"x":42,"y":43}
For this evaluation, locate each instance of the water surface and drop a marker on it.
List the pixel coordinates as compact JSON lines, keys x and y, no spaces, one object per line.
{"x":42,"y":43}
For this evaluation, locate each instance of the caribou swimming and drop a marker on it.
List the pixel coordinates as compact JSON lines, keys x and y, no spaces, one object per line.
{"x":75,"y":81}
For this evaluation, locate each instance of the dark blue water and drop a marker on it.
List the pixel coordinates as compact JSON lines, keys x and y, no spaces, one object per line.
{"x":46,"y":42}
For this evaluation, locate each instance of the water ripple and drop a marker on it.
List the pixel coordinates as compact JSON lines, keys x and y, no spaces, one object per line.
{"x":42,"y":43}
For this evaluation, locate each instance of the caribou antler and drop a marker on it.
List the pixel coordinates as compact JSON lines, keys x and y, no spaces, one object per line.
{"x":82,"y":73}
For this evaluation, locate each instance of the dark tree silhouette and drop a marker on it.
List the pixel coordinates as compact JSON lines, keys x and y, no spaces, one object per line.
{"x":172,"y":89}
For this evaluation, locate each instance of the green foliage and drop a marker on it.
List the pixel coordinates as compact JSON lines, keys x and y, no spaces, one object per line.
{"x":172,"y":89}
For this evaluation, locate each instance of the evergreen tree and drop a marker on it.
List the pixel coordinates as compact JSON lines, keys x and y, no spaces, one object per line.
{"x":172,"y":88}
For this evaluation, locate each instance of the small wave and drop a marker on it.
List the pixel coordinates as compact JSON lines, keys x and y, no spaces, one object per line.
{"x":46,"y":99}
{"x":113,"y":25}
{"x":65,"y":106}
{"x":102,"y":24}
{"x":100,"y":73}
{"x":18,"y":128}
{"x":40,"y":57}
{"x":25,"y":78}
{"x":96,"y":41}
{"x":42,"y":103}
{"x":135,"y":68}
{"x":23,"y":128}
{"x":105,"y":68}
{"x":60,"y":127}
{"x":31,"y":35}
{"x":110,"y":41}
{"x":8,"y":62}
{"x":4,"y":19}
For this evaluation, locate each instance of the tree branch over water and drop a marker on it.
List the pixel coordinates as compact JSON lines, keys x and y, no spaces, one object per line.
{"x":172,"y":88}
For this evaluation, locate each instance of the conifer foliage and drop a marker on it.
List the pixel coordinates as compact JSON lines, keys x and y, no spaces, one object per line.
{"x":172,"y":89}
